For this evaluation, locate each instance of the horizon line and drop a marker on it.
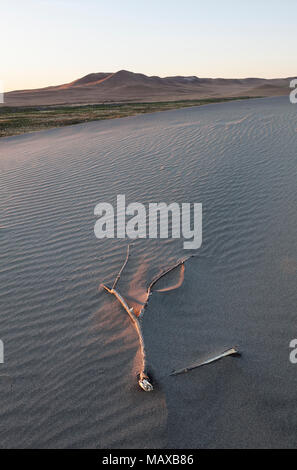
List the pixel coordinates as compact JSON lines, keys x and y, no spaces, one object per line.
{"x":149,"y":76}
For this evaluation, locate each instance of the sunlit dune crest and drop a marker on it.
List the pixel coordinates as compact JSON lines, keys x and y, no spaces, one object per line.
{"x":126,"y":86}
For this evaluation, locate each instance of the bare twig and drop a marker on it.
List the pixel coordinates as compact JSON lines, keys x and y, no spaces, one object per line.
{"x":144,"y":381}
{"x":228,"y":352}
{"x":122,"y":268}
{"x":159,"y":276}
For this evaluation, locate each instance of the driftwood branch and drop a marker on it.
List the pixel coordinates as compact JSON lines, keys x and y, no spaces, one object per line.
{"x":144,"y":381}
{"x":228,"y":352}
{"x":122,"y":268}
{"x":159,"y":276}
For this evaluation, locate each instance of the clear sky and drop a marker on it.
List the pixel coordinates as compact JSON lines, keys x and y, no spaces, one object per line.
{"x":48,"y":42}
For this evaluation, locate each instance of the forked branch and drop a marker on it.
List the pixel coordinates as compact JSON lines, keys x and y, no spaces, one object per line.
{"x":144,"y":380}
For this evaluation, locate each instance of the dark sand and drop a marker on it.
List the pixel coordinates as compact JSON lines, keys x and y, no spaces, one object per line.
{"x":71,"y":353}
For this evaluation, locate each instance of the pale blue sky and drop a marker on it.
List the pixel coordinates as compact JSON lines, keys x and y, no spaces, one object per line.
{"x":47,"y":42}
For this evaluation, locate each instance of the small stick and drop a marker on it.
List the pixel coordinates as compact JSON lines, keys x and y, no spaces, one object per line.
{"x":122,"y":302}
{"x":122,"y":268}
{"x":144,"y":381}
{"x":159,"y":276}
{"x":228,"y":352}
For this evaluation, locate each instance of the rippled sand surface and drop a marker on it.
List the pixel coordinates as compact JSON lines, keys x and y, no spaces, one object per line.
{"x":71,"y":354}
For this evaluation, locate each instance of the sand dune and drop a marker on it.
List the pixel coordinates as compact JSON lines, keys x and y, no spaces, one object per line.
{"x":129,"y":86}
{"x":69,"y":379}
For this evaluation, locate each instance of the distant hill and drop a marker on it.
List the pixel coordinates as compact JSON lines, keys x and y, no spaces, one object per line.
{"x":126,"y":86}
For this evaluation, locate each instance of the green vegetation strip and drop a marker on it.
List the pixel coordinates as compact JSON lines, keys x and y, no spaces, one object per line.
{"x":19,"y":120}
